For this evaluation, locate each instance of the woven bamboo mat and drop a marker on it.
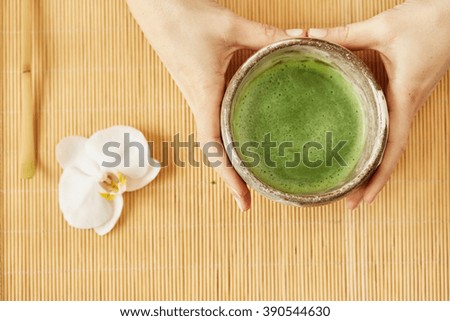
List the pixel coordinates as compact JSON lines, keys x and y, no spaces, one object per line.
{"x":182,"y":237}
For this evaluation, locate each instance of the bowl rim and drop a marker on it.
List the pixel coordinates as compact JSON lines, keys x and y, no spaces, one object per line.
{"x":296,"y":199}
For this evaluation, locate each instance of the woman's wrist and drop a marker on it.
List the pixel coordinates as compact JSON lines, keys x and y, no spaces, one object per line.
{"x":155,"y":17}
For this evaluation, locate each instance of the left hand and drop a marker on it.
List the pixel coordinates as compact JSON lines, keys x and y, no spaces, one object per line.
{"x":196,"y":40}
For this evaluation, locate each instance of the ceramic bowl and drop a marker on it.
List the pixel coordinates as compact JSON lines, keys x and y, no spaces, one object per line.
{"x":372,"y":100}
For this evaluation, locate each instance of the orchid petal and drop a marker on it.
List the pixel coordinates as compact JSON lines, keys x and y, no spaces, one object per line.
{"x":80,"y":200}
{"x":108,"y":226}
{"x":113,"y":151}
{"x":152,"y":172}
{"x":70,"y":152}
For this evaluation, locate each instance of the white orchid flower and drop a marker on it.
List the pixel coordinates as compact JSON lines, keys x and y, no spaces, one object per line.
{"x":97,"y":171}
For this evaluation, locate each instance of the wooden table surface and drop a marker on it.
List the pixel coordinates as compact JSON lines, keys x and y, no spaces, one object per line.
{"x":182,"y":237}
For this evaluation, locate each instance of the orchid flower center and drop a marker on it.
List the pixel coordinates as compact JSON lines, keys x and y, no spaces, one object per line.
{"x":113,"y":184}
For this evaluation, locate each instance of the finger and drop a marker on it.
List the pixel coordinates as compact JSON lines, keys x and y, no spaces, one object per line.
{"x":208,"y":127}
{"x":355,"y":198}
{"x":355,"y":36}
{"x":218,"y":159}
{"x":254,"y":35}
{"x":400,"y":123}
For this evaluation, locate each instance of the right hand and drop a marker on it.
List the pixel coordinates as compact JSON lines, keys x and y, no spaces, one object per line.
{"x":414,"y":42}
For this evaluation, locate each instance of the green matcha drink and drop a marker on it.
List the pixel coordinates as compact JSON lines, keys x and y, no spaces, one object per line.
{"x":309,"y":105}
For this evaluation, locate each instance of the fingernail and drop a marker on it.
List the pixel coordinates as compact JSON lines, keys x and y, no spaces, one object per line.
{"x":238,"y":200}
{"x":317,"y":33}
{"x":351,"y":205}
{"x":369,"y":199}
{"x":239,"y":204}
{"x":295,"y":32}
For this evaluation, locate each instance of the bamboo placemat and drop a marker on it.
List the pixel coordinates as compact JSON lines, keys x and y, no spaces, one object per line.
{"x":182,"y":237}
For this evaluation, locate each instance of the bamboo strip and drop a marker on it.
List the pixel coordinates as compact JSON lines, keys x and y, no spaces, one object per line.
{"x":27,"y":127}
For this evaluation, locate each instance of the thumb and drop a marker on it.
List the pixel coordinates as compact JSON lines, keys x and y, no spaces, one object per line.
{"x":254,"y":35}
{"x":355,"y":36}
